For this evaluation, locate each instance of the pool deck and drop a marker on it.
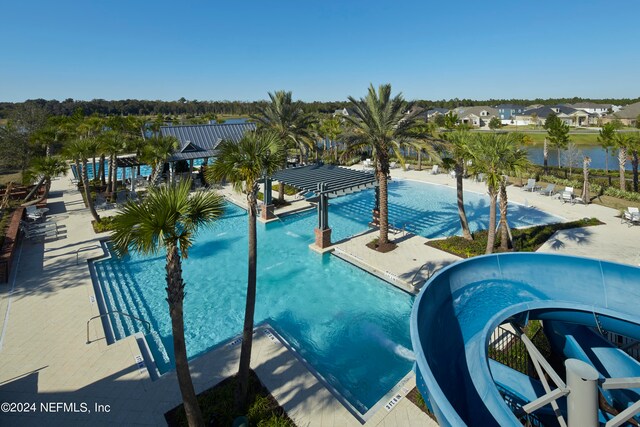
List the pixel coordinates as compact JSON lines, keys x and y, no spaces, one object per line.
{"x":44,"y":309}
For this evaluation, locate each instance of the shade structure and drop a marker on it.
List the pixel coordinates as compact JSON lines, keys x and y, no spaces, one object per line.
{"x":337,"y":180}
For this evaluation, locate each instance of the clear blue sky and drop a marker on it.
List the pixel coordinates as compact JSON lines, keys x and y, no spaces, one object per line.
{"x":240,"y":50}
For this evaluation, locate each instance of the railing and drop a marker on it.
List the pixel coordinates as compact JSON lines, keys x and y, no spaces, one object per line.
{"x":507,"y":348}
{"x":413,"y":279}
{"x":147,"y":324}
{"x":628,"y":345}
{"x":84,"y":248}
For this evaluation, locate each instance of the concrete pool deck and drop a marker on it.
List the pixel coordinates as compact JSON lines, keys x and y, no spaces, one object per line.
{"x":45,"y":358}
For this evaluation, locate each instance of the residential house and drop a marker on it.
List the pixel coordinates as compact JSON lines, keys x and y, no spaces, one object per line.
{"x":628,"y":115}
{"x":592,"y":107}
{"x":569,"y":115}
{"x":475,"y":116}
{"x":430,"y":114}
{"x":507,"y":112}
{"x":343,"y":112}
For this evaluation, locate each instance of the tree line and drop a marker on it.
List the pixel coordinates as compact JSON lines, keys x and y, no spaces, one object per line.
{"x":182,"y":106}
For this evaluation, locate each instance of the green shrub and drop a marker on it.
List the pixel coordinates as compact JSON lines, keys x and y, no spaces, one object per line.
{"x":105,"y":224}
{"x":524,"y":240}
{"x":626,"y":195}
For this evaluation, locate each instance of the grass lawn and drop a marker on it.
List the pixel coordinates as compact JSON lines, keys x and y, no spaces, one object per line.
{"x":577,"y":138}
{"x":217,"y":405}
{"x":524,"y":240}
{"x":10,"y":176}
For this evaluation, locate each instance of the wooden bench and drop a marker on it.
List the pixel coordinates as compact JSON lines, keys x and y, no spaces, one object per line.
{"x":10,"y":244}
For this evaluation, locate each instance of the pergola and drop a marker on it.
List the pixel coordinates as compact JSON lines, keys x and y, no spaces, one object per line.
{"x":324,"y":181}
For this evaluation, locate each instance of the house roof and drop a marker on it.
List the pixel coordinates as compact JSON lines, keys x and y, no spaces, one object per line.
{"x":590,"y":105}
{"x":544,"y":111}
{"x":200,"y":141}
{"x":510,"y":107}
{"x":467,"y":111}
{"x":630,"y":111}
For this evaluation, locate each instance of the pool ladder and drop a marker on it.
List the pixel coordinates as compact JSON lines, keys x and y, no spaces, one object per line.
{"x":146,"y":323}
{"x":429,"y":273}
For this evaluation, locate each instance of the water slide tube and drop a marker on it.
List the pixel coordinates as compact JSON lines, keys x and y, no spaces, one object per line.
{"x":580,"y":342}
{"x":460,"y":306}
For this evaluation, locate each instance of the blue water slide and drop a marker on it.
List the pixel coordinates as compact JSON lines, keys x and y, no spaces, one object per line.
{"x":580,"y":342}
{"x":459,"y":307}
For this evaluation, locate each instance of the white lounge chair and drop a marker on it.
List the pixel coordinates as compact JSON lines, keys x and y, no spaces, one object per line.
{"x":393,"y":165}
{"x":567,"y":195}
{"x":631,"y":216}
{"x":452,"y":173}
{"x":531,"y":185}
{"x":480,"y":177}
{"x":548,"y":191}
{"x":35,"y":214}
{"x":435,"y":170}
{"x":367,"y":163}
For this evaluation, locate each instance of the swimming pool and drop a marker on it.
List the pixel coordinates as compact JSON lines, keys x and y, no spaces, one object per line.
{"x":350,"y":326}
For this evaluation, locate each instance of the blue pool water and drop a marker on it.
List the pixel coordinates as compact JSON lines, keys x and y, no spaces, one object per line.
{"x":350,"y":326}
{"x":145,"y":170}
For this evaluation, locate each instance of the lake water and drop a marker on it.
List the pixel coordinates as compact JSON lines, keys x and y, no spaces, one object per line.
{"x":596,"y":153}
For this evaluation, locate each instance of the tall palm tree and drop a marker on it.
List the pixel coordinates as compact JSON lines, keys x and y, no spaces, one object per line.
{"x":459,"y":147}
{"x":621,"y":141}
{"x":169,"y":218}
{"x":244,"y":164}
{"x":380,"y":123}
{"x":43,"y":169}
{"x":633,"y":151}
{"x":605,"y":138}
{"x":287,"y":120}
{"x":331,"y":129}
{"x":112,"y":144}
{"x":495,"y":155}
{"x":80,"y":150}
{"x":514,"y":162}
{"x":156,"y":153}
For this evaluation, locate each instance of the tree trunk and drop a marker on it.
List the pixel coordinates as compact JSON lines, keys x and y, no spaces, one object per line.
{"x":87,"y":193}
{"x":247,"y":330}
{"x":419,"y":160}
{"x":464,"y":223}
{"x":35,"y":189}
{"x":384,"y":207}
{"x":585,"y":185}
{"x":95,"y":175}
{"x":606,"y":161}
{"x":114,"y":176}
{"x":109,"y":180}
{"x":545,"y":151}
{"x":559,"y":164}
{"x":634,"y":166}
{"x":505,"y":235}
{"x":101,"y":170}
{"x":622,"y":161}
{"x":491,"y":232}
{"x":175,"y":298}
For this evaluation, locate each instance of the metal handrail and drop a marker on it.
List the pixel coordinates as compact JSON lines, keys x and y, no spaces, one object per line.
{"x":148,"y":324}
{"x":419,"y":270}
{"x":96,"y":246}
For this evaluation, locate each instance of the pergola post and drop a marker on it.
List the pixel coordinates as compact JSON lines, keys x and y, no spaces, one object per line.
{"x":172,"y":173}
{"x":323,"y":232}
{"x":267,"y":207}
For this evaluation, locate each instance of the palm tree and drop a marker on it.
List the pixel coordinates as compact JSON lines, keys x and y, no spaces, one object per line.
{"x":112,"y":144}
{"x":621,"y":141}
{"x":459,"y":147}
{"x":495,"y":155}
{"x":169,"y":218}
{"x":156,"y":153}
{"x":43,"y":169}
{"x":331,"y":129}
{"x":605,"y":138}
{"x":244,"y":164}
{"x":379,"y":122}
{"x":289,"y":122}
{"x":633,"y":150}
{"x":80,"y":150}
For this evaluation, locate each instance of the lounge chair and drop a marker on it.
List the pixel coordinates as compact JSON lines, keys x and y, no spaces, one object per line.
{"x":367,"y":163}
{"x":393,"y":165}
{"x":44,"y":233}
{"x":33,"y":226}
{"x":567,"y":195}
{"x":631,"y":216}
{"x":548,"y":191}
{"x":34,"y":213}
{"x":480,"y":177}
{"x":531,"y":185}
{"x":452,"y":173}
{"x":435,"y":170}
